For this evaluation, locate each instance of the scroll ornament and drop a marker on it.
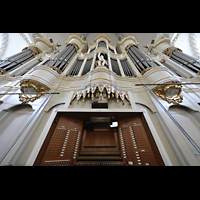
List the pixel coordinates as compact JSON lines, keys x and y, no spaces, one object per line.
{"x":169,"y":93}
{"x":111,"y":92}
{"x":33,"y":85}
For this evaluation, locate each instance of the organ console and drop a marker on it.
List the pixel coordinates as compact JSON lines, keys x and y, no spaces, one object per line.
{"x":87,"y":139}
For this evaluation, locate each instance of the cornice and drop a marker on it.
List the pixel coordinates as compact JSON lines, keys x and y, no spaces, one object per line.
{"x":152,"y":46}
{"x":51,"y":45}
{"x":102,"y":35}
{"x":73,"y":37}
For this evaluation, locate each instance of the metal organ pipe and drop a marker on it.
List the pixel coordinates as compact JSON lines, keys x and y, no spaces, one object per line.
{"x":13,"y":62}
{"x":183,"y":59}
{"x":61,"y":60}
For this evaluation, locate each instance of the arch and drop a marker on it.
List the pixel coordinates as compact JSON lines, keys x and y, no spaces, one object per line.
{"x":53,"y":106}
{"x":145,"y":106}
{"x":181,"y":107}
{"x":102,"y":43}
{"x":103,"y":36}
{"x":19,"y":106}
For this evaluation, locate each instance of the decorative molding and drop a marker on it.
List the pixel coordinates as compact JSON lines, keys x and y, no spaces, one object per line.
{"x":76,"y":46}
{"x":78,"y":42}
{"x":162,"y":91}
{"x":147,"y":69}
{"x":128,"y":46}
{"x":153,"y":46}
{"x":111,"y":92}
{"x":54,"y":68}
{"x":35,"y":85}
{"x":2,"y":71}
{"x":39,"y":40}
{"x":34,"y":49}
{"x":170,"y":50}
{"x":102,"y":35}
{"x":126,"y":41}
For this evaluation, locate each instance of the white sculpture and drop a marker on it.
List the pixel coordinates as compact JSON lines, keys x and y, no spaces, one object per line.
{"x":101,"y":60}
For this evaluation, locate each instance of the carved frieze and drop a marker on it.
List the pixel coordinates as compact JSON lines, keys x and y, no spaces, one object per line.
{"x":108,"y":90}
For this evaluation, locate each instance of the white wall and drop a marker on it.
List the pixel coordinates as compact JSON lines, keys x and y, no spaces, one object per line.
{"x":189,"y":123}
{"x":183,"y":43}
{"x":15,"y":44}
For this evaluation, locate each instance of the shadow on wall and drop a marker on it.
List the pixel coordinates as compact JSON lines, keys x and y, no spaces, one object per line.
{"x":26,"y":107}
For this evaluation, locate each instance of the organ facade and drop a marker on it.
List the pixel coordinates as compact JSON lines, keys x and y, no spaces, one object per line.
{"x":100,"y":104}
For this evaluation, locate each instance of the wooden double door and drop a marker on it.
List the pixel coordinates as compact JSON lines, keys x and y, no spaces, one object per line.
{"x":86,"y":139}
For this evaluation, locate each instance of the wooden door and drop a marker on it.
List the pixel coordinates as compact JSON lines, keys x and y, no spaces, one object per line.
{"x":137,"y":145}
{"x":62,"y":148}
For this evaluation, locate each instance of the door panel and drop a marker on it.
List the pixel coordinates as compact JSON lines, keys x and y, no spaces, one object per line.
{"x":64,"y":144}
{"x":135,"y":144}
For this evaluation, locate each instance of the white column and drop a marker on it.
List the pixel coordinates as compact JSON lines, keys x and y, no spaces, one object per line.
{"x":109,"y":62}
{"x":119,"y":64}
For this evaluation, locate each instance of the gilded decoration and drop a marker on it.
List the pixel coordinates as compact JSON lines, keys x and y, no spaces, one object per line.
{"x":146,"y":70}
{"x":75,"y":45}
{"x":128,"y":46}
{"x":75,"y":36}
{"x":34,"y":49}
{"x":54,"y":68}
{"x":2,"y":71}
{"x":52,"y":45}
{"x":162,"y":61}
{"x":128,"y":37}
{"x":170,"y":50}
{"x":31,"y":85}
{"x":102,"y":35}
{"x":101,"y":90}
{"x":169,"y":93}
{"x":158,"y":42}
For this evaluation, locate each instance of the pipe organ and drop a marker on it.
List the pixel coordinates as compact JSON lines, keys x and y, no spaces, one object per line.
{"x":183,"y":59}
{"x":60,"y":61}
{"x":141,"y":61}
{"x":15,"y":61}
{"x":86,"y":108}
